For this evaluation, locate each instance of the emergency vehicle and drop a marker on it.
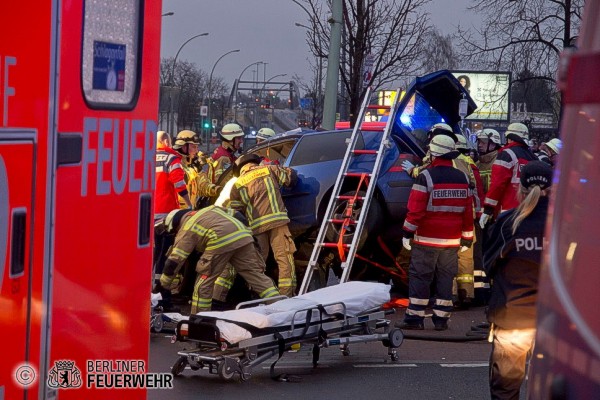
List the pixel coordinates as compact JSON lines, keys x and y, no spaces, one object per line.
{"x":78,"y":108}
{"x":566,"y":359}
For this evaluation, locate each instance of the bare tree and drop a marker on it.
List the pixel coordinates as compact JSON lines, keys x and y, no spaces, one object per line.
{"x":391,"y":31}
{"x":438,"y":52}
{"x":525,"y":37}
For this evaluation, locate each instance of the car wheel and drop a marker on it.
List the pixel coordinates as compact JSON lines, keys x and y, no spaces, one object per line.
{"x":373,"y":221}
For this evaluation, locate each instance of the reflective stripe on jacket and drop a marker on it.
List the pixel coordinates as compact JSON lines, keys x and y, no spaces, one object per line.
{"x":440,"y":206}
{"x":485,"y":163}
{"x":506,"y":174}
{"x":213,"y":229}
{"x":468,"y":166}
{"x":170,"y":180}
{"x":257,"y":194}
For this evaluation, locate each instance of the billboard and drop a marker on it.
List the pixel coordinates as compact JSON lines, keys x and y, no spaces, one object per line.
{"x":490,"y":91}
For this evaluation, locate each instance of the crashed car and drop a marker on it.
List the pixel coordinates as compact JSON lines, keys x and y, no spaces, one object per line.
{"x":317,"y":158}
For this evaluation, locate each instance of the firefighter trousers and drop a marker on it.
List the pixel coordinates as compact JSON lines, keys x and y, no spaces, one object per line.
{"x":245,"y":260}
{"x":465,"y":277}
{"x":426,"y":264}
{"x":280,"y":240}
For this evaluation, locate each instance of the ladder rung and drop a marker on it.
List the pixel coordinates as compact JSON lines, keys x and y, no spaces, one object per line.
{"x":351,"y":197}
{"x":364,"y":151}
{"x":334,"y":245}
{"x":356,"y":174}
{"x":341,"y":221}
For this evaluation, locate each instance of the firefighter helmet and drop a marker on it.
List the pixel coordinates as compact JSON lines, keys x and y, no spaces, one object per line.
{"x":243,"y":160}
{"x":490,"y":134}
{"x":173,"y":219}
{"x":461,"y":144}
{"x":265,"y":133}
{"x":231,"y":131}
{"x":517,"y":132}
{"x":442,"y":129}
{"x":441,"y":145}
{"x":184,"y":137}
{"x":555,"y":145}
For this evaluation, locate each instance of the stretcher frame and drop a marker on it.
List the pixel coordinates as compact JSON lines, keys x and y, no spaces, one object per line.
{"x":227,"y":360}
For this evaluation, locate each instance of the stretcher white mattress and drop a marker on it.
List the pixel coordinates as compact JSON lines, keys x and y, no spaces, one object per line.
{"x":357,"y":297}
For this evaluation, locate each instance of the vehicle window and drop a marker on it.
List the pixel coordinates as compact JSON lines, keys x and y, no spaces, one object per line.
{"x":418,"y":115}
{"x":323,"y":147}
{"x":111,"y":53}
{"x":277,"y":152}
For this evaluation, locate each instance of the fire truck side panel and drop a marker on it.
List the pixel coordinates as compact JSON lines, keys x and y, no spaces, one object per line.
{"x":25,"y":87}
{"x":566,"y":360}
{"x":103,"y":256}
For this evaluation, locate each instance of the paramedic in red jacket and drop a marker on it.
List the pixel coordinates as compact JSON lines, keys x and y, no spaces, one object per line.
{"x":170,"y":178}
{"x":439,"y":221}
{"x":506,"y":172}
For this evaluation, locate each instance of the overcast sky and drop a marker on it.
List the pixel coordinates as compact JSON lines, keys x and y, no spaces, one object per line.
{"x":263,"y":30}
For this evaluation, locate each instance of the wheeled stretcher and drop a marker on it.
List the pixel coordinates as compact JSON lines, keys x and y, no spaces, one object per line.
{"x":233,"y":342}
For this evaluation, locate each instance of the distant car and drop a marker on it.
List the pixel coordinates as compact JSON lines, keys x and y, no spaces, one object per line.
{"x":317,"y":158}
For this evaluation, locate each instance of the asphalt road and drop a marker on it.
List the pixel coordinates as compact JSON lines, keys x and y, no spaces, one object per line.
{"x":425,"y":370}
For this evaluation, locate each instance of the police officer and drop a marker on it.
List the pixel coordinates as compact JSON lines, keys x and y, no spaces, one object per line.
{"x":439,"y":221}
{"x":513,"y":259}
{"x":222,"y":239}
{"x":257,"y":194}
{"x":506,"y":171}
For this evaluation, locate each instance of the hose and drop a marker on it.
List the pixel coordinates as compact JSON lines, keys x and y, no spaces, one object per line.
{"x":433,"y":338}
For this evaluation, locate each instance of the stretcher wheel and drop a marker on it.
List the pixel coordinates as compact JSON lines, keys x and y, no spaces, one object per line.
{"x":225,"y":371}
{"x":157,"y":323}
{"x":179,"y":366}
{"x":395,"y":338}
{"x":394,"y":357}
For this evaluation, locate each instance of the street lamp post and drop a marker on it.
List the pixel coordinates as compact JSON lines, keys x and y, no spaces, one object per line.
{"x":238,"y":82}
{"x":260,"y":93}
{"x":333,"y":66}
{"x":210,"y":87}
{"x":171,"y":110}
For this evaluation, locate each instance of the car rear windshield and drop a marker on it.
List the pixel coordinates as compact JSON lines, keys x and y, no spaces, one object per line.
{"x":323,"y":147}
{"x":418,"y":117}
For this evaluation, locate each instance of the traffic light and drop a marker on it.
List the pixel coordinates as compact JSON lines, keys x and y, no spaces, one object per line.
{"x":206,"y":124}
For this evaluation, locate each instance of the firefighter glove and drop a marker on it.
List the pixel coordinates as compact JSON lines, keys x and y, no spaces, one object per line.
{"x":406,"y":243}
{"x":408,"y":166}
{"x":483,"y":220}
{"x":215,"y":190}
{"x":167,"y":281}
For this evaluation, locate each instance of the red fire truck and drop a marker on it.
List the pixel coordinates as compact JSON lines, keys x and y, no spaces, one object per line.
{"x":78,"y":107}
{"x":566,"y":360}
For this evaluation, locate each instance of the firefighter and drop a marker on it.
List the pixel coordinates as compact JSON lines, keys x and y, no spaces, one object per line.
{"x":196,"y":176}
{"x":488,"y":144}
{"x":223,"y":239}
{"x":257,"y":194}
{"x":437,"y":129}
{"x":548,"y":152}
{"x":513,"y":259}
{"x":465,"y":280}
{"x":506,"y":170}
{"x":439,"y":222}
{"x":224,"y":155}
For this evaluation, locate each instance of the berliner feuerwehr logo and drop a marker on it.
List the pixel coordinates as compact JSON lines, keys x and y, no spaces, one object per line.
{"x":64,"y":375}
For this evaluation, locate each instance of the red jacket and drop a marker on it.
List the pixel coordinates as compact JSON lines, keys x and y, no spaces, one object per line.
{"x":506,"y":174}
{"x":170,"y":181}
{"x":440,"y":207}
{"x":223,"y":152}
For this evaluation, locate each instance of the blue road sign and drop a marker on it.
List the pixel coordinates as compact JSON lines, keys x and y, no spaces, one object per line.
{"x":109,"y":66}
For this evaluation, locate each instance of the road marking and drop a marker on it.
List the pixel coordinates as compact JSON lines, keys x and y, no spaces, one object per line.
{"x":472,"y":365}
{"x":320,"y":366}
{"x":383,"y":365}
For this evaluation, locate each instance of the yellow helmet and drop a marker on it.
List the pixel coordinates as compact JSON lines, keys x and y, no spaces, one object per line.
{"x":440,"y":145}
{"x":184,"y":137}
{"x":265,"y":133}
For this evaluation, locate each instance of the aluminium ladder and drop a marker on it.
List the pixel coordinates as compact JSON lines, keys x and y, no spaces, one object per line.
{"x":370,"y":179}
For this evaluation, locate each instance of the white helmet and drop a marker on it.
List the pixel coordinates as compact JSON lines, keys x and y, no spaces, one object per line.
{"x":231,"y":131}
{"x":184,"y":137}
{"x":490,"y":134}
{"x":441,"y":129}
{"x":265,"y":133}
{"x":461,"y":144}
{"x":440,"y":145}
{"x":517,"y":132}
{"x":555,"y":145}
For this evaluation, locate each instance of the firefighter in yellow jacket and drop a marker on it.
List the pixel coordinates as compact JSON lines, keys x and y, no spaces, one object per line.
{"x":257,"y":194}
{"x":196,"y":176}
{"x":222,"y":239}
